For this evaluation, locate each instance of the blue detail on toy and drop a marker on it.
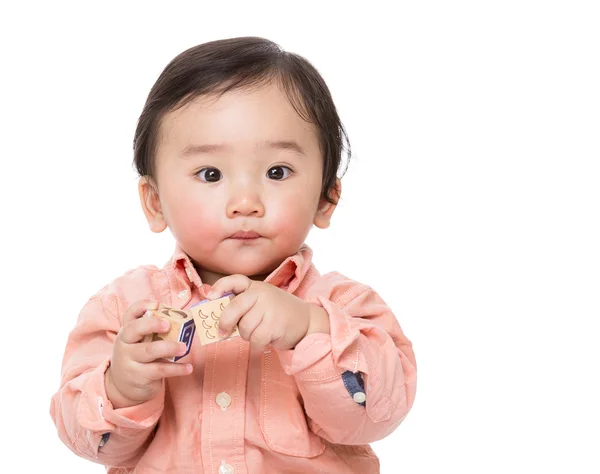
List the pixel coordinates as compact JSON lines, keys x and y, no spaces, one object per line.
{"x":187,"y":336}
{"x":207,"y":300}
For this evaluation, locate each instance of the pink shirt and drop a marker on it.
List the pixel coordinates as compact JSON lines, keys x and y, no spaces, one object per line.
{"x":312,"y":409}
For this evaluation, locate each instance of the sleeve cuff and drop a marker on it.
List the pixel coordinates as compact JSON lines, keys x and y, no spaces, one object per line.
{"x":97,"y":413}
{"x":321,"y":355}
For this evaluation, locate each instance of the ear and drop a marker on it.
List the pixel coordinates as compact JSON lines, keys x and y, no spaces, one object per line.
{"x":151,"y":206}
{"x":325,"y":209}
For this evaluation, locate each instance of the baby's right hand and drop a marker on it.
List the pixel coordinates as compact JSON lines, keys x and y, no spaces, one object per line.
{"x":135,"y":374}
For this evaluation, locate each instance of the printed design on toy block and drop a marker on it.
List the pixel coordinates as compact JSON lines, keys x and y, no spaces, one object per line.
{"x":210,"y":322}
{"x":206,"y":313}
{"x":187,"y":336}
{"x":173,"y":313}
{"x":183,"y":328}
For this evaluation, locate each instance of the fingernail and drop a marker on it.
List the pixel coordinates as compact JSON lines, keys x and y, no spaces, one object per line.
{"x":147,"y":313}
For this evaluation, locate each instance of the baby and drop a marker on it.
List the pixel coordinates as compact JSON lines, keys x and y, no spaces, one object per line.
{"x":238,"y":148}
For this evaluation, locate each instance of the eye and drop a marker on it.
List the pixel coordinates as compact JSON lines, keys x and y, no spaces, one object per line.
{"x":209,"y":175}
{"x":279,"y":172}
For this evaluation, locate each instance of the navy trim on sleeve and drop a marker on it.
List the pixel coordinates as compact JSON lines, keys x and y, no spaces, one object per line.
{"x":354,"y":383}
{"x":104,"y":439}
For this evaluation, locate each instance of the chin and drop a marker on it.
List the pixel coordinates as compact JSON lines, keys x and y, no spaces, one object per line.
{"x":249,"y":263}
{"x":251,"y":268}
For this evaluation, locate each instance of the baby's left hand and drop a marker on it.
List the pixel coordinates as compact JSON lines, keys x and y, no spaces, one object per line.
{"x":266,"y":315}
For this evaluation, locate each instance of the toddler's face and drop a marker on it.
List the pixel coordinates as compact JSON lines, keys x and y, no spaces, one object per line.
{"x":244,"y":162}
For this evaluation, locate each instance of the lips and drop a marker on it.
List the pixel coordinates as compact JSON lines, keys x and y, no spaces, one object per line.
{"x":245,"y":235}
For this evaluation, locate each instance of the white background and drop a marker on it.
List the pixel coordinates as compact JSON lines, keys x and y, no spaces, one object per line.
{"x":472,"y":205}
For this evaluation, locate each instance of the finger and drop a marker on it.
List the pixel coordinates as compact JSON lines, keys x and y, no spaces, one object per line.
{"x":235,"y":284}
{"x":161,"y":370}
{"x":262,"y":336}
{"x":137,"y":310}
{"x":250,"y":323}
{"x":139,"y":328}
{"x":235,"y":311}
{"x":151,"y":351}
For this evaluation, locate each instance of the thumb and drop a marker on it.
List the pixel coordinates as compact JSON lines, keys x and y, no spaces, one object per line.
{"x":138,"y":309}
{"x":235,"y":284}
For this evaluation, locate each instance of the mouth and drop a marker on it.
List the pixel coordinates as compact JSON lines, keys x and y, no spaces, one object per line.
{"x":245,"y":235}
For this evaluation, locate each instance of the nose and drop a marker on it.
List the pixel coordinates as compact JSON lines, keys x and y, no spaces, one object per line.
{"x":245,"y":201}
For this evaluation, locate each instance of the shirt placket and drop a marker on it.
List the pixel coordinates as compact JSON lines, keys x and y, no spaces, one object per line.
{"x":224,"y":407}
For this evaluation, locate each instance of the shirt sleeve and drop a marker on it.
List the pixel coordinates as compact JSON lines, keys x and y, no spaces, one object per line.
{"x":84,"y":417}
{"x":359,"y":382}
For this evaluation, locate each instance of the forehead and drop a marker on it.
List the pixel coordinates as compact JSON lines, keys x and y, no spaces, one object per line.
{"x":239,"y":118}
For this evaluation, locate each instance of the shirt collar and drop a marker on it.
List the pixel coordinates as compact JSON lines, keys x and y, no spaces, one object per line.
{"x":287,"y":276}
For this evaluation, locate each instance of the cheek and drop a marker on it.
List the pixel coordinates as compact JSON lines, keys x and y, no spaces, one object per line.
{"x":192,"y":221}
{"x":202,"y":223}
{"x":292,"y":215}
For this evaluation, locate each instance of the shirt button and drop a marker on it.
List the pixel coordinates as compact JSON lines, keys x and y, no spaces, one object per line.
{"x":359,"y":397}
{"x":223,"y":400}
{"x":100,"y":406}
{"x":226,"y":469}
{"x":183,"y":294}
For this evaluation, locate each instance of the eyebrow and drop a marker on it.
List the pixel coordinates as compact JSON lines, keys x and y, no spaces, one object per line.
{"x":285,"y":145}
{"x":200,"y":149}
{"x":215,"y":148}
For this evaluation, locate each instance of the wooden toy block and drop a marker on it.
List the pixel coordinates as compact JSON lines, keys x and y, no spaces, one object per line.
{"x":207,"y":314}
{"x":182,"y":329}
